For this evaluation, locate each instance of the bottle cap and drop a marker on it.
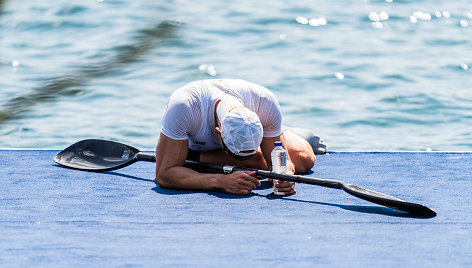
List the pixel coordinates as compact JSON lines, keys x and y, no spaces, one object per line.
{"x":278,"y":143}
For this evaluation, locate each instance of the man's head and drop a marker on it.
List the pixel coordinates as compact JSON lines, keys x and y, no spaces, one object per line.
{"x":241,"y":130}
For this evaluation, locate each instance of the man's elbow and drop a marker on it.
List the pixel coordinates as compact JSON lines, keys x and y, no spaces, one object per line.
{"x":305,"y":164}
{"x":162,"y":180}
{"x":161,"y":183}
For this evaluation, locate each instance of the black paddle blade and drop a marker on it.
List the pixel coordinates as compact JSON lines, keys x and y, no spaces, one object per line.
{"x":97,"y":155}
{"x":388,"y":201}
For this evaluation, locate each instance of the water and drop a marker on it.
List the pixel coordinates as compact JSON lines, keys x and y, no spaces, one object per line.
{"x":365,"y":75}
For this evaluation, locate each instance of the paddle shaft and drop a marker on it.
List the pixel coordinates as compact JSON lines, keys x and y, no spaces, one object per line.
{"x":146,"y":157}
{"x":208,"y":167}
{"x":263,"y":174}
{"x":366,"y":194}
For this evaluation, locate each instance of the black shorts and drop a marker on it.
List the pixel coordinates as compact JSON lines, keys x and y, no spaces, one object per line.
{"x":193,"y":155}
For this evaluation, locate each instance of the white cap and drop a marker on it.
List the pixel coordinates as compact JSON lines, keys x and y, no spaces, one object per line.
{"x":241,"y":129}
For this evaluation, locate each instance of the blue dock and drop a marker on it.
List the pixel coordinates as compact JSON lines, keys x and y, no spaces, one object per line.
{"x":52,"y":216}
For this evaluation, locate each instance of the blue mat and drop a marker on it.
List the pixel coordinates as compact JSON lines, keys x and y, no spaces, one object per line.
{"x":53,"y":216}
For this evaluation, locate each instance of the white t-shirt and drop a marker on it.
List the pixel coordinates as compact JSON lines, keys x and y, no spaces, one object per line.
{"x":190,"y":111}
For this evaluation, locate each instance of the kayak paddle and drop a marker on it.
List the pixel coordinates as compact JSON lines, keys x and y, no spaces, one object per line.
{"x":102,"y":155}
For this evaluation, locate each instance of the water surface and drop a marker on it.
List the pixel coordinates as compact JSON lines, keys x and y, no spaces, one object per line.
{"x":365,"y":75}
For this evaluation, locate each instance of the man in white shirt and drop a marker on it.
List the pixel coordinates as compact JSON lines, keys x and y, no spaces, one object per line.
{"x":225,"y":121}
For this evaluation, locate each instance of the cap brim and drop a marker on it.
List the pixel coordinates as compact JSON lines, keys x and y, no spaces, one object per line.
{"x":236,"y":156}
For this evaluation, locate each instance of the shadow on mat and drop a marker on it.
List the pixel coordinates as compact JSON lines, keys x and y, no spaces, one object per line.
{"x":219,"y":194}
{"x":362,"y":209}
{"x":266,"y":185}
{"x":127,"y":176}
{"x":165,"y":191}
{"x":118,"y":174}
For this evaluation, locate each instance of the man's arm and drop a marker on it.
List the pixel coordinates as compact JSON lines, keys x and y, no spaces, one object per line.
{"x":170,"y":172}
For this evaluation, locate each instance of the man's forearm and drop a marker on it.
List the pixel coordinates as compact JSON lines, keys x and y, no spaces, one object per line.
{"x":184,"y":178}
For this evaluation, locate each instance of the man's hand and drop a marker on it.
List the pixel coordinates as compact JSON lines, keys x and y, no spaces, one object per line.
{"x":239,"y":182}
{"x":286,"y":187}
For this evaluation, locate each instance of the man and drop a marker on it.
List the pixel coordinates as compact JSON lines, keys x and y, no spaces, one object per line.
{"x":225,"y":121}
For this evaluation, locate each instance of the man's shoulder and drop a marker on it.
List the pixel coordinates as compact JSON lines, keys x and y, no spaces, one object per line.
{"x":202,"y":89}
{"x":195,"y":90}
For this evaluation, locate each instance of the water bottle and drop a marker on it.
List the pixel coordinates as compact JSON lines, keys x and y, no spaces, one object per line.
{"x":279,"y":162}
